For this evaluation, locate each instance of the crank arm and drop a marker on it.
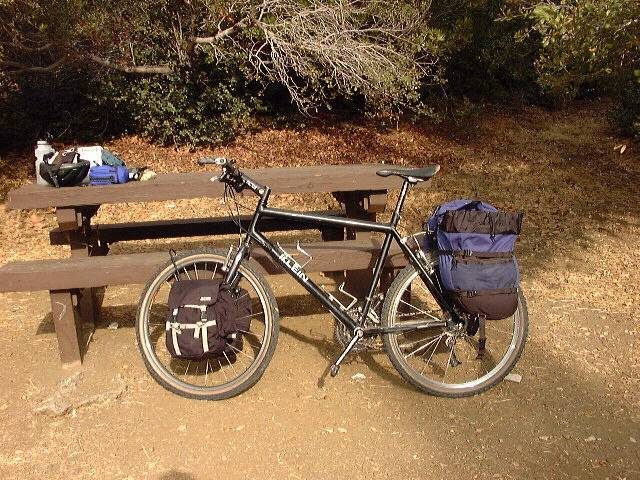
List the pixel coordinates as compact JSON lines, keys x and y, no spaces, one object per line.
{"x":357,"y":335}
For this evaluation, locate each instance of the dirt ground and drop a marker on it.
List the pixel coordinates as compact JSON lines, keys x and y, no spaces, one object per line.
{"x":575,"y":414}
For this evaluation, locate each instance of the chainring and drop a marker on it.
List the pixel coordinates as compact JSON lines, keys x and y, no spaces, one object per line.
{"x":343,"y":335}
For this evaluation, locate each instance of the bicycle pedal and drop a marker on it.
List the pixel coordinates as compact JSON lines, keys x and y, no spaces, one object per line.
{"x":333,"y":371}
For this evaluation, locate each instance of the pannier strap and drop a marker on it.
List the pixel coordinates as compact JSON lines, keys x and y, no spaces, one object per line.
{"x":199,"y":331}
{"x":175,"y":329}
{"x":469,"y":253}
{"x":475,"y":293}
{"x":482,"y":337}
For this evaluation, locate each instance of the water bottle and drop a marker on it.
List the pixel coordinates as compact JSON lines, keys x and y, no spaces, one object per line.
{"x":43,"y":150}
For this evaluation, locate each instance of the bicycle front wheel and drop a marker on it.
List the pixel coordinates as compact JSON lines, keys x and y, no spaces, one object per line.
{"x":209,"y":378}
{"x":444,"y":361}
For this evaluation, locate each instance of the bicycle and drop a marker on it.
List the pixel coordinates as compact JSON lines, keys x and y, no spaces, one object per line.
{"x":429,"y":341}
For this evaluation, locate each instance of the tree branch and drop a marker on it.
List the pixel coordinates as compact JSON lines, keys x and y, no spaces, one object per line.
{"x":22,"y":68}
{"x":9,"y":63}
{"x":26,"y":48}
{"x":159,"y":69}
{"x":245,"y":22}
{"x":376,"y":56}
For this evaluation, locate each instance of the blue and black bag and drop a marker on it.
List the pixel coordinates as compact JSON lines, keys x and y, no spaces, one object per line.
{"x":477,"y":267}
{"x":108,"y":175}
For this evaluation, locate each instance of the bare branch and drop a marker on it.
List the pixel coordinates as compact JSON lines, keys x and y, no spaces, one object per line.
{"x":23,"y":68}
{"x":26,"y":48}
{"x":245,"y":22}
{"x":317,"y":41}
{"x":143,"y":69}
{"x":9,"y":63}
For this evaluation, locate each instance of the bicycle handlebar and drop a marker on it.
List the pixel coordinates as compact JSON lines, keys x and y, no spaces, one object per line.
{"x":232,"y":176}
{"x":214,"y":161}
{"x":229,"y":172}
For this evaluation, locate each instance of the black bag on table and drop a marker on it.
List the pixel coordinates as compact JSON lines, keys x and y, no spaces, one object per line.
{"x":204,"y":321}
{"x":64,"y":169}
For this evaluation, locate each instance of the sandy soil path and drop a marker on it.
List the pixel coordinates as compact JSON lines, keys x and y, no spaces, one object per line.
{"x":576,"y":413}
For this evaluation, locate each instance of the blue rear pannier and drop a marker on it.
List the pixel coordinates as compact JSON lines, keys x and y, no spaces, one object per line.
{"x":477,"y":267}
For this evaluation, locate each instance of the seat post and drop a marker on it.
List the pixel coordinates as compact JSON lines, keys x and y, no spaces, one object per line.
{"x":395,"y":217}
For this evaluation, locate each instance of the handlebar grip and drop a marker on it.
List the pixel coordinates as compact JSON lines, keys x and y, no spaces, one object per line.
{"x":213,"y":161}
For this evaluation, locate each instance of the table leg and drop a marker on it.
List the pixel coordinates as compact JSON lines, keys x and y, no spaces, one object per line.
{"x":363,"y":206}
{"x":357,"y":281}
{"x":65,"y":320}
{"x":328,"y":235}
{"x":83,"y":246}
{"x":76,"y":223}
{"x":87,"y":304}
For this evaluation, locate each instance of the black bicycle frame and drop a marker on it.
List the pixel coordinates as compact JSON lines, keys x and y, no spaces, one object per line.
{"x":289,"y":265}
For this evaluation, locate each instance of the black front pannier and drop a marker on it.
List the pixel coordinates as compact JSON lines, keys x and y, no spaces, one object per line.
{"x":204,"y":321}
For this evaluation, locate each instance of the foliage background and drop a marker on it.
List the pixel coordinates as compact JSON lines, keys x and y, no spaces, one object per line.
{"x":478,"y":51}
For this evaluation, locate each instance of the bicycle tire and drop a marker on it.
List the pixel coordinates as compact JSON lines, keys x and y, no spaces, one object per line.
{"x":396,"y":290}
{"x":161,"y":374}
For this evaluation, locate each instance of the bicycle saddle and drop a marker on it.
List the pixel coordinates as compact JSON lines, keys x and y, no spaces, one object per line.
{"x":408,"y":173}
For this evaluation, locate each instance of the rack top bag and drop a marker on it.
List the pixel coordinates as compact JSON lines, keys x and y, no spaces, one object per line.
{"x":204,"y":321}
{"x":476,"y":264}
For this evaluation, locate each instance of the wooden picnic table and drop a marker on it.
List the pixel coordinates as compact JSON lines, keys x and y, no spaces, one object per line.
{"x":361,"y":193}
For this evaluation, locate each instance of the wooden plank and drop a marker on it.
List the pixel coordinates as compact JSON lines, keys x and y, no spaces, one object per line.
{"x":67,"y":329}
{"x":120,"y":232}
{"x":306,"y":179}
{"x":87,"y":272}
{"x":81,"y":246}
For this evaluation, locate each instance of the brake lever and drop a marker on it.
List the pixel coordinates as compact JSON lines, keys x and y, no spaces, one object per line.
{"x":220,"y":177}
{"x":227,"y":166}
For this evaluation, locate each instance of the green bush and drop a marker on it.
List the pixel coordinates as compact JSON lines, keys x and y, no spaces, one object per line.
{"x":593,"y":44}
{"x":189,"y":107}
{"x":484,"y":58}
{"x":49,"y":106}
{"x":590,"y":45}
{"x":626,"y":114}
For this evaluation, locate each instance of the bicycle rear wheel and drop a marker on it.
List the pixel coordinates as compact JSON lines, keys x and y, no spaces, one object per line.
{"x":210,"y":378}
{"x":443,"y":361}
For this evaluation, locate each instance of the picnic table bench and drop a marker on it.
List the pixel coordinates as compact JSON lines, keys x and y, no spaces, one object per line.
{"x":74,"y":282}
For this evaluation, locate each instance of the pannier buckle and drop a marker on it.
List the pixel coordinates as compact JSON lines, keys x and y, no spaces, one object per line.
{"x":175,"y":326}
